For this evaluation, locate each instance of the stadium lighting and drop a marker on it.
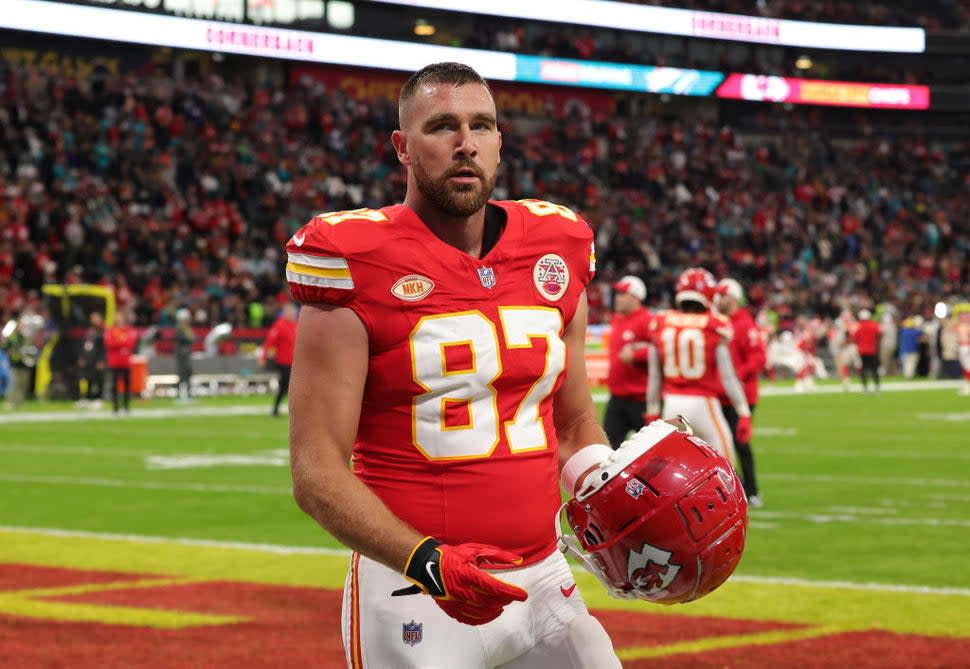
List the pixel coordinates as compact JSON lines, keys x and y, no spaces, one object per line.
{"x":340,"y":14}
{"x":423,"y":28}
{"x":804,"y":63}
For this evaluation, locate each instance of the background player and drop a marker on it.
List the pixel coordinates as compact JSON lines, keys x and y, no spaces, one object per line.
{"x":441,"y":346}
{"x":962,"y":313}
{"x":867,"y":334}
{"x":689,"y":362}
{"x":748,"y":356}
{"x":627,"y":378}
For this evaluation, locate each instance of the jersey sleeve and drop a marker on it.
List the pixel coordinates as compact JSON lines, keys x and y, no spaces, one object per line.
{"x":316,"y":269}
{"x":722,"y":327}
{"x":571,"y":229}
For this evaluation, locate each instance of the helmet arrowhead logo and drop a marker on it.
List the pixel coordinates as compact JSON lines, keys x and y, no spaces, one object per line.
{"x":650,"y":569}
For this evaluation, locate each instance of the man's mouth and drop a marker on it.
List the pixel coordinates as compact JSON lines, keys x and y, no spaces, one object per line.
{"x":464,"y":175}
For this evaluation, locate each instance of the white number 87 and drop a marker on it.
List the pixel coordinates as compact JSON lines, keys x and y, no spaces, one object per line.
{"x":471,"y":388}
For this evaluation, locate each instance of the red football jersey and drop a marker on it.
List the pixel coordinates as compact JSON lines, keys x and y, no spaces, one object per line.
{"x":629,"y":380}
{"x":963,"y":328}
{"x":867,"y":337}
{"x":747,"y":353}
{"x":685,"y":344}
{"x":456,"y":433}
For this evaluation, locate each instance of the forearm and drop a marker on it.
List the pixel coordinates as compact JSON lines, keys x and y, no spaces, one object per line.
{"x":344,"y":506}
{"x":653,"y":383}
{"x":732,"y":387}
{"x":581,"y":431}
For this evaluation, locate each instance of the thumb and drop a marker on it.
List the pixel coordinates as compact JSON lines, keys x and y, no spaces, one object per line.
{"x":495,"y":588}
{"x":491,"y":557}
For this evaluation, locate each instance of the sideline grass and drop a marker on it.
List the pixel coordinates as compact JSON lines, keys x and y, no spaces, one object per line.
{"x":859,"y":489}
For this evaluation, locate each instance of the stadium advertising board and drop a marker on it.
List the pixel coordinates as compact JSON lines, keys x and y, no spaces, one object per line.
{"x":690,"y":23}
{"x":642,"y":78}
{"x":761,"y":88}
{"x":511,"y":97}
{"x":307,"y":46}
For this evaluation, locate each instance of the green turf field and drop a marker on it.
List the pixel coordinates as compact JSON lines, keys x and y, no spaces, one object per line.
{"x":859,"y":489}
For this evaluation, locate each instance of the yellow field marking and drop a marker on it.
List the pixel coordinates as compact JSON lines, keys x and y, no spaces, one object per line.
{"x":35,"y":603}
{"x":723,"y":642}
{"x":944,"y":615}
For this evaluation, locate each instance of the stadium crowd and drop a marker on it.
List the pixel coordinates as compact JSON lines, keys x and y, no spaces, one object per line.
{"x":181,"y":194}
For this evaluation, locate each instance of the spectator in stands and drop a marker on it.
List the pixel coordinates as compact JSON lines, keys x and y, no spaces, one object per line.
{"x":628,"y":345}
{"x":91,"y":358}
{"x":216,"y":179}
{"x":120,"y":340}
{"x":184,"y":342}
{"x":278,"y":346}
{"x":867,"y":335}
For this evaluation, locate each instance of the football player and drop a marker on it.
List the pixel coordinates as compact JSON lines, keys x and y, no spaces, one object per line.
{"x":627,"y":378}
{"x":690,"y":362}
{"x":962,"y":313}
{"x":748,"y":356}
{"x":866,"y":337}
{"x":441,"y":347}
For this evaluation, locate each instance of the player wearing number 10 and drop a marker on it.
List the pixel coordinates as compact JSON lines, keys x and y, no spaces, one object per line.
{"x":689,"y":362}
{"x":441,"y":346}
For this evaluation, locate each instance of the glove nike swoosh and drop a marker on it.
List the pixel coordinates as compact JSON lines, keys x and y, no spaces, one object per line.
{"x":429,"y":567}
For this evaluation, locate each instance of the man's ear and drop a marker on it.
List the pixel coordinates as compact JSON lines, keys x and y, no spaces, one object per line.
{"x":400,"y":142}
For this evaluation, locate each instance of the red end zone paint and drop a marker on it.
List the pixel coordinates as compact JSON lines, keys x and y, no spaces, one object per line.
{"x":300,"y":627}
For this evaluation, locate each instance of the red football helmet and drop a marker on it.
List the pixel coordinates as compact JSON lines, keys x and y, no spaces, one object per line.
{"x":696,"y":284}
{"x":663,"y":519}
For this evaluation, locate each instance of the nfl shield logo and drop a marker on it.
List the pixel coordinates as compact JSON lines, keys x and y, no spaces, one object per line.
{"x":487,"y":276}
{"x":412,"y":633}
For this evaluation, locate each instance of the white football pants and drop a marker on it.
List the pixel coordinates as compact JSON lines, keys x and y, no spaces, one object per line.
{"x":552,"y":629}
{"x":706,"y":419}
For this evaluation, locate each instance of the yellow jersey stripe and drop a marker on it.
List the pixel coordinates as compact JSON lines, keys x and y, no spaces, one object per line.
{"x":317,"y":261}
{"x":337,"y":273}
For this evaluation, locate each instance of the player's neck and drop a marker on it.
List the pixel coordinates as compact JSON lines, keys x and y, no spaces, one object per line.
{"x":465,"y":233}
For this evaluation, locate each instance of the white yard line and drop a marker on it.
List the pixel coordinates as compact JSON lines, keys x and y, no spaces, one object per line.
{"x":145,"y":485}
{"x":868,"y":480}
{"x":304,"y":550}
{"x":833,"y":516}
{"x":71,"y":416}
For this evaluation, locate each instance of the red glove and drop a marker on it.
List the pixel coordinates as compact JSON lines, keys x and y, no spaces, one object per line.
{"x":743,"y":432}
{"x":454,"y":576}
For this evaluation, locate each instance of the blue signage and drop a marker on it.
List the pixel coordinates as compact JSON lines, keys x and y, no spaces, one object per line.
{"x":616,"y":76}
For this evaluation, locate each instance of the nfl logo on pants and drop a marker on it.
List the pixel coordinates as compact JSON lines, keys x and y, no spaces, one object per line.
{"x":411,"y":633}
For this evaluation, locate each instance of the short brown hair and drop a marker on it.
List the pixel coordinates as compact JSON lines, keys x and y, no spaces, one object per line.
{"x":453,"y":73}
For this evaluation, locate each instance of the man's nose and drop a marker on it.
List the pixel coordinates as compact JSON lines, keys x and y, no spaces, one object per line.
{"x":465,"y":142}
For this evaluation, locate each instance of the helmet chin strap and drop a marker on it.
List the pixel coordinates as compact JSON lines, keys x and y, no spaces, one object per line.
{"x":570,"y":546}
